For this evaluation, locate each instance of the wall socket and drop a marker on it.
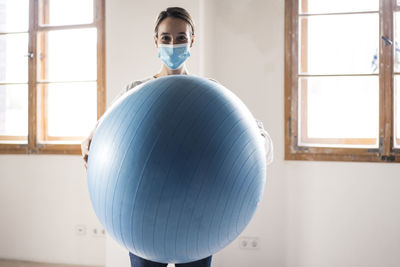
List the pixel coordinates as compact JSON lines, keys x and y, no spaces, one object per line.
{"x":98,"y":232}
{"x":249,"y":242}
{"x":80,"y":229}
{"x":93,"y":231}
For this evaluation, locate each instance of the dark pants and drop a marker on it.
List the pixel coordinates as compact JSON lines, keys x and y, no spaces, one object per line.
{"x":140,"y":262}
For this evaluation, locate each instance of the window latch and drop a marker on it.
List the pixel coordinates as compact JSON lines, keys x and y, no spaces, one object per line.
{"x":30,"y":55}
{"x":387,"y":40}
{"x":389,"y":158}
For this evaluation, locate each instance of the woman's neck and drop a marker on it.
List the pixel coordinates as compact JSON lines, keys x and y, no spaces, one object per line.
{"x":166,"y":71}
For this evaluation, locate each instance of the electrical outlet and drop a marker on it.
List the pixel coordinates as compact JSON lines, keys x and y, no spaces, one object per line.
{"x":98,"y":232}
{"x":80,"y":229}
{"x":248,"y":242}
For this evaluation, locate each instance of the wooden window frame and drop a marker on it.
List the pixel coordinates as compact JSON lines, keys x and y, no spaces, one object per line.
{"x":385,"y":151}
{"x":53,"y":145}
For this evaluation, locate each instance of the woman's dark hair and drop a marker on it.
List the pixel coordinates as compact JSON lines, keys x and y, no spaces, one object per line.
{"x":174,"y":12}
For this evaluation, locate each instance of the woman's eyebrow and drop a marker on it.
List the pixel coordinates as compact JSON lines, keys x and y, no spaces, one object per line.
{"x":167,"y":33}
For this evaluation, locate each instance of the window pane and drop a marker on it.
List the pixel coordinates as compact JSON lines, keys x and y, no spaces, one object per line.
{"x":13,"y":59}
{"x":340,"y":108}
{"x":71,"y":108}
{"x":329,"y":6}
{"x":14,"y":110}
{"x":396,"y":46}
{"x":14,"y":15}
{"x":68,"y":55}
{"x":66,"y":12}
{"x":397,"y":111}
{"x":339,"y":44}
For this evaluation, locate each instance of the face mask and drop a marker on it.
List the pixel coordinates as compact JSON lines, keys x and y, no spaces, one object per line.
{"x":173,"y":55}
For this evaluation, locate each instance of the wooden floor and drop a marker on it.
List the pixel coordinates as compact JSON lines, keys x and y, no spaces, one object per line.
{"x":16,"y":263}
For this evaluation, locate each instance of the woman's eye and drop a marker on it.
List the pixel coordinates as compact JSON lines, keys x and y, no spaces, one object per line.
{"x":165,"y":39}
{"x":182,"y":38}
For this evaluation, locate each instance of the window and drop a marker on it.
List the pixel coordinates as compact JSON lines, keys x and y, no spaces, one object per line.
{"x":342,"y":78}
{"x":52,"y":74}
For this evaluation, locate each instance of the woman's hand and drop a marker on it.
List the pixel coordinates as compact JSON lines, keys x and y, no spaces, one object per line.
{"x":269,"y":147}
{"x":85,"y":149}
{"x":85,"y":146}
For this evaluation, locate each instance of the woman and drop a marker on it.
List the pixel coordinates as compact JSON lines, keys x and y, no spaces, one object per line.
{"x":173,"y":37}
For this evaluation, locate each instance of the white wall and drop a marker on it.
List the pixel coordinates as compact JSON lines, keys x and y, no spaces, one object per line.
{"x":42,"y":199}
{"x":313,"y":214}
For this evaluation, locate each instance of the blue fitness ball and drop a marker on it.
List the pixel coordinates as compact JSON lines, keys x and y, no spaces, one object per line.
{"x":176,"y":169}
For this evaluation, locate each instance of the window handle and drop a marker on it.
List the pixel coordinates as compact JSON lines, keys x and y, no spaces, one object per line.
{"x":30,"y":55}
{"x":387,"y":40}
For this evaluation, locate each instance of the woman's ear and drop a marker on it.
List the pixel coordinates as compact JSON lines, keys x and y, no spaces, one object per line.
{"x":155,"y":41}
{"x":191,"y":41}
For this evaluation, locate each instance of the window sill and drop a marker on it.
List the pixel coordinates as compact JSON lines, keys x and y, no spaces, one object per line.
{"x":47,"y":148}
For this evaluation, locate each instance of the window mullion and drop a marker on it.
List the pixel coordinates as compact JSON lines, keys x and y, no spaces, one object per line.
{"x":42,"y":112}
{"x":386,"y":78}
{"x":291,"y":68}
{"x":32,"y":117}
{"x":101,"y":64}
{"x":394,"y":140}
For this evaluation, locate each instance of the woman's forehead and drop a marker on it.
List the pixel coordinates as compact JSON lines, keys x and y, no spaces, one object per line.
{"x":173,"y":26}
